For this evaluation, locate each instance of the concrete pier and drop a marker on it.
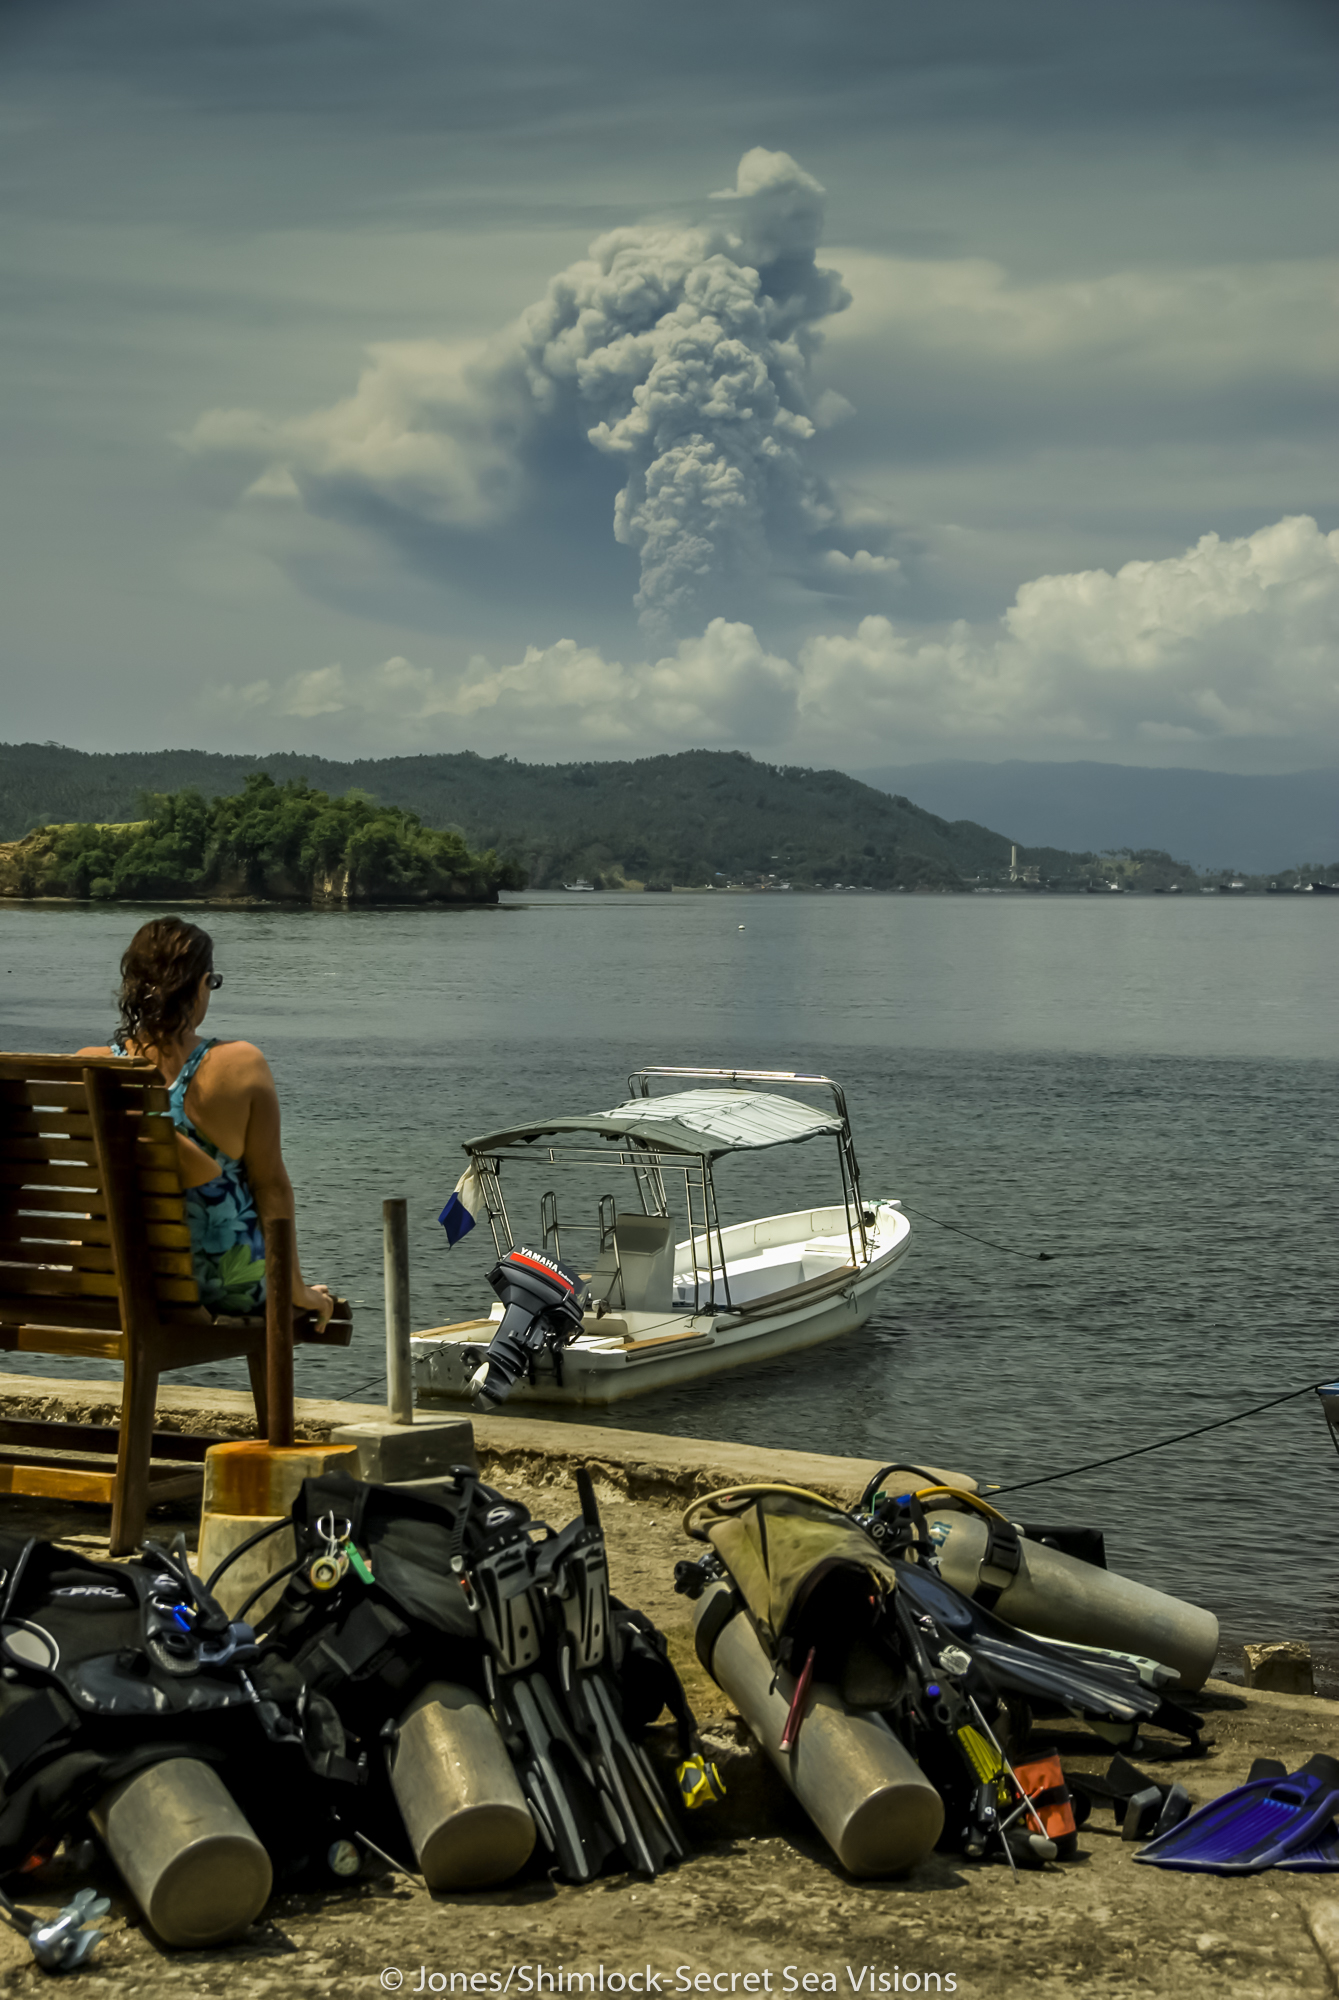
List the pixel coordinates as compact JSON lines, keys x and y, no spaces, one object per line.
{"x":760,"y":1898}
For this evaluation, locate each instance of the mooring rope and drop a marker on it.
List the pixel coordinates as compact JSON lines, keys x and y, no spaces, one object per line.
{"x":1096,"y":1464}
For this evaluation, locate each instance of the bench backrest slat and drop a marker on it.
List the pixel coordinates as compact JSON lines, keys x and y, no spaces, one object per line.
{"x":91,"y":1205}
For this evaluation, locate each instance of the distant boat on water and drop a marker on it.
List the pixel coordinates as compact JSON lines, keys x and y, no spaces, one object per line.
{"x":1319,"y":888}
{"x":581,"y":887}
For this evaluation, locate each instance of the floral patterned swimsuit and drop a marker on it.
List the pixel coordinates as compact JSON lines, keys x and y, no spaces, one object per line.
{"x":227,"y":1241}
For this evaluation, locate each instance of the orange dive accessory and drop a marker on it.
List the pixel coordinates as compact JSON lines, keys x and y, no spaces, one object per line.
{"x":1042,"y":1778}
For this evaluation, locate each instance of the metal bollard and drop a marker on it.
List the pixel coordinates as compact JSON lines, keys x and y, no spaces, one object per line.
{"x":188,"y":1856}
{"x":399,"y":1368}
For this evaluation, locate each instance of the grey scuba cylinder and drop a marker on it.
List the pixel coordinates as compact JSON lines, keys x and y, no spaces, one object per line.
{"x":462,"y":1804}
{"x":187,"y":1855}
{"x":864,"y":1792}
{"x":1041,"y":1590}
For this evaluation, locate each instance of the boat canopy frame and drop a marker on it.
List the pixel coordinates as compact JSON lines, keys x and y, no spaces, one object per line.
{"x":667,"y":1148}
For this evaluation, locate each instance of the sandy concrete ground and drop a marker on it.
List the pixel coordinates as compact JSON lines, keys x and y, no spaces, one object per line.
{"x":775,"y":1907}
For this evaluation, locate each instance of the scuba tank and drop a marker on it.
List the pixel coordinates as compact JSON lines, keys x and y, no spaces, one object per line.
{"x":1044,"y":1591}
{"x":462,"y":1805}
{"x":187,"y":1855}
{"x":863,"y":1791}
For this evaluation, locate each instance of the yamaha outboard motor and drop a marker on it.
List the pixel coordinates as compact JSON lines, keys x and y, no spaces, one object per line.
{"x":544,"y":1302}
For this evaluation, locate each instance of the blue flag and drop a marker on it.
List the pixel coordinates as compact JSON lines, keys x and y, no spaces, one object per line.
{"x":462,"y":1208}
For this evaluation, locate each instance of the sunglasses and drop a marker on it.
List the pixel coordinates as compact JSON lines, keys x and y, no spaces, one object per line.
{"x":213,"y":980}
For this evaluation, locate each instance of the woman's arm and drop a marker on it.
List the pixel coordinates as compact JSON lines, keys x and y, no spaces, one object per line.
{"x":262,"y":1156}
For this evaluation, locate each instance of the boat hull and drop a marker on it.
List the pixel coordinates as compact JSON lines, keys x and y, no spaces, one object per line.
{"x":636,"y":1354}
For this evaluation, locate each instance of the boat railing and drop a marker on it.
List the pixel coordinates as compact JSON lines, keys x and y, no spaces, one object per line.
{"x":650,"y":1171}
{"x":639,"y":1085}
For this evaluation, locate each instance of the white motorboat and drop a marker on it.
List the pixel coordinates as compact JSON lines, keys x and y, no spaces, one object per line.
{"x":664,"y":1311}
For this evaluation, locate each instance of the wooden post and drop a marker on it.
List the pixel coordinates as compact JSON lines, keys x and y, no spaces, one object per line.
{"x":279,"y":1328}
{"x":399,"y":1370}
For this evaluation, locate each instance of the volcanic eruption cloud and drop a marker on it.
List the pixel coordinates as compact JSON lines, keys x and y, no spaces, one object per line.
{"x":691,"y":349}
{"x":680,"y":352}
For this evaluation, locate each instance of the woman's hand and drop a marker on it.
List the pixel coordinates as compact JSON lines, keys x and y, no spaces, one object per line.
{"x":314,"y":1299}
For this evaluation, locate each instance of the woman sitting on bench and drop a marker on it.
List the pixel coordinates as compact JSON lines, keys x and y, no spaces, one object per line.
{"x":226,"y":1111}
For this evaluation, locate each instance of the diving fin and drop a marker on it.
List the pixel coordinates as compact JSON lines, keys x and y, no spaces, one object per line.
{"x":1317,"y":1857}
{"x":1142,"y":1807}
{"x":1256,"y":1826}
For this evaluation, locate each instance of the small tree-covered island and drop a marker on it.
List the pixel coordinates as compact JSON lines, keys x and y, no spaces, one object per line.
{"x":267,"y":843}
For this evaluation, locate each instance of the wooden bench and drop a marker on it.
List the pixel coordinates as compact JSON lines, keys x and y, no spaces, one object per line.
{"x":95,"y":1262}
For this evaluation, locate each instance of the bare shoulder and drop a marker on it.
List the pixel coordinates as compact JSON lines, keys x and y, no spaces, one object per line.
{"x":239,"y":1063}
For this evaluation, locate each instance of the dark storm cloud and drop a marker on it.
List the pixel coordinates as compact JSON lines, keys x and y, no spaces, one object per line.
{"x":1091,"y":326}
{"x":679,"y":355}
{"x":476,"y":95}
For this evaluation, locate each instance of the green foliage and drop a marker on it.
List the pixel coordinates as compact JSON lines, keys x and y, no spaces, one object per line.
{"x":271,"y":840}
{"x":701,"y":816}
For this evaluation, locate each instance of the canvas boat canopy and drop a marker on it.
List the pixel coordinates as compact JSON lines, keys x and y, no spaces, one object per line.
{"x":704,"y":1123}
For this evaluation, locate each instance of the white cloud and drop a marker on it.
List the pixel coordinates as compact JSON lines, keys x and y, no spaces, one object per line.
{"x":679,"y":354}
{"x":1232,"y":639}
{"x":862,"y":563}
{"x":1189,"y":328}
{"x":720,"y":687}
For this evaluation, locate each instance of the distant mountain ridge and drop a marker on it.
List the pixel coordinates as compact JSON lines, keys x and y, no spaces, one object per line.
{"x":1211,"y":819}
{"x":689,"y":819}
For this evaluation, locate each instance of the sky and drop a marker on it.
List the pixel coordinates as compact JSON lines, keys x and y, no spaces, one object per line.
{"x":848,"y":381}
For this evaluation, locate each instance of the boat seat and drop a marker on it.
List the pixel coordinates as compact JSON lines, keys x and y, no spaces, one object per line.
{"x":635,"y":1271}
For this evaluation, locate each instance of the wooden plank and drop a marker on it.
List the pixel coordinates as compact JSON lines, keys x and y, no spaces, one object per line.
{"x":27,"y":1227}
{"x":155,"y":1210}
{"x":12,"y":1174}
{"x":337,"y":1331}
{"x":89,"y":1481}
{"x":56,"y":1482}
{"x":152,"y":1099}
{"x":87,"y":1257}
{"x":176,"y":1291}
{"x":25,"y":1280}
{"x":56,"y":1232}
{"x":43,"y":1286}
{"x":48,"y":1125}
{"x":40,"y":1433}
{"x":60,"y":1152}
{"x":456,"y":1326}
{"x":41,"y":1096}
{"x":164,"y":1183}
{"x":41,"y":1209}
{"x":95,"y":1337}
{"x":73,"y":1067}
{"x":665,"y":1340}
{"x":150,"y":1157}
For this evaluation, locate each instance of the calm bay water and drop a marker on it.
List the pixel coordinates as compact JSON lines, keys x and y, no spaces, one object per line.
{"x":1147,"y":1089}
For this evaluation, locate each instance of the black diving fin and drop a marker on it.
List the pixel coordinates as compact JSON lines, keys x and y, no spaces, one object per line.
{"x":1106,"y":1690}
{"x":544,"y":1610}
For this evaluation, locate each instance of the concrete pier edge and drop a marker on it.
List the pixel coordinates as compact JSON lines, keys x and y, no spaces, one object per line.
{"x":640,"y":1462}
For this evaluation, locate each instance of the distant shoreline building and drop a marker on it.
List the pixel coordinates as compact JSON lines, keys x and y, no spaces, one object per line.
{"x":1017,"y":874}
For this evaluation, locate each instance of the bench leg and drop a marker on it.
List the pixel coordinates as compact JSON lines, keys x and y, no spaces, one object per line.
{"x":255,"y":1368}
{"x":130,"y":1499}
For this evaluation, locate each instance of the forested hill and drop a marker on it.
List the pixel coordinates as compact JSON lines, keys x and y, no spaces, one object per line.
{"x":687,"y":819}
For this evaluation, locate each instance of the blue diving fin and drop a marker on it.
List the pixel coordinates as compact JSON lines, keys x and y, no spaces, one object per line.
{"x":1259,"y":1825}
{"x":1319,"y":1856}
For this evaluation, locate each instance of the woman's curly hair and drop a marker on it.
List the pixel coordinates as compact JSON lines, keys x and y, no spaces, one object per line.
{"x":160,"y":979}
